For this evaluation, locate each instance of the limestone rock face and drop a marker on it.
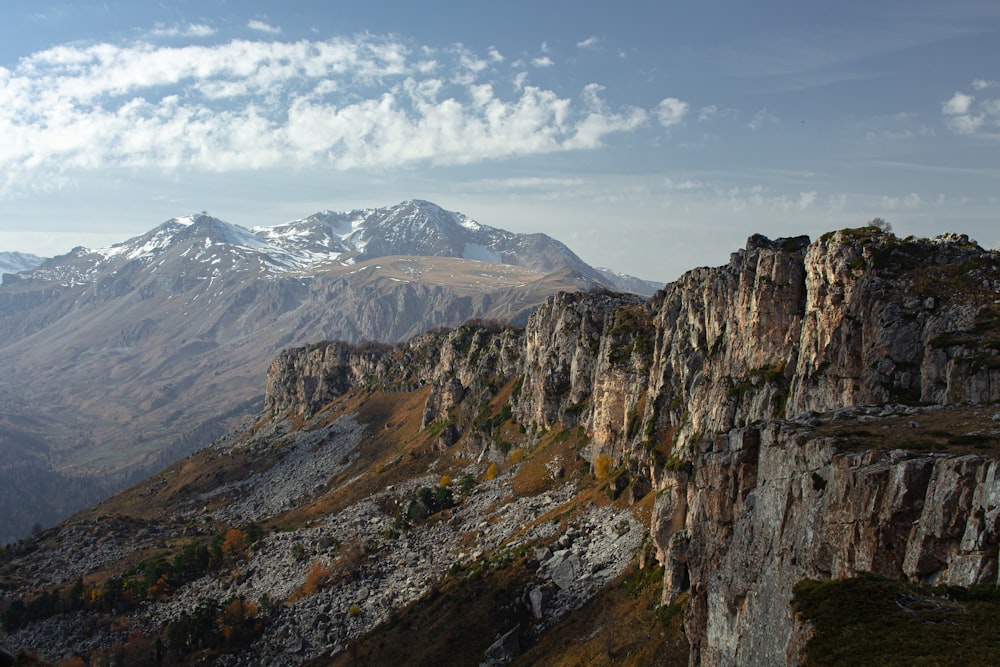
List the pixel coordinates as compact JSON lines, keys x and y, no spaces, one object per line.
{"x":858,"y":317}
{"x":881,"y":318}
{"x":766,"y":509}
{"x":710,"y":392}
{"x":561,"y":357}
{"x":727,"y":338}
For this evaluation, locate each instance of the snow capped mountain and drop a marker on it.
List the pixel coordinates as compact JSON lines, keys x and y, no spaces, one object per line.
{"x":324,"y":239}
{"x":12,"y":262}
{"x":414,"y":227}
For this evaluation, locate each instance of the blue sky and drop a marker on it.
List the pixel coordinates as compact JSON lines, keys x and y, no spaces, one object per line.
{"x":651,"y":137}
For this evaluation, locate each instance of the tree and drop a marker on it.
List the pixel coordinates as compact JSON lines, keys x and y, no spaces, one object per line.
{"x":234,"y":544}
{"x":881,"y":224}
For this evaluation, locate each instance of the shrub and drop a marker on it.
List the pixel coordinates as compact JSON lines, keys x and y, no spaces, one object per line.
{"x":466,"y":484}
{"x":603,"y":466}
{"x":318,"y":575}
{"x":492,"y":472}
{"x":234,"y":544}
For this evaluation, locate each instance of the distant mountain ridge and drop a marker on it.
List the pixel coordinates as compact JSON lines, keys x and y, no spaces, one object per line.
{"x":418,"y":227}
{"x":130,"y":356}
{"x":12,"y":262}
{"x":326,"y":238}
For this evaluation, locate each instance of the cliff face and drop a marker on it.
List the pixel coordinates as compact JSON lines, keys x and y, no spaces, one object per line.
{"x":765,"y":509}
{"x":697,"y":389}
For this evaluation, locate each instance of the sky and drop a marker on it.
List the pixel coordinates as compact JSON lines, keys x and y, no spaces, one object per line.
{"x":651,"y":137}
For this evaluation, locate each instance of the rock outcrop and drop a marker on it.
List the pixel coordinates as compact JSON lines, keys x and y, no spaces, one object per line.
{"x":858,"y":317}
{"x":711,"y":392}
{"x":763,"y":509}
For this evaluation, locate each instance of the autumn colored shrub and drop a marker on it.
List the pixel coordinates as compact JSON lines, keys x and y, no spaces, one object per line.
{"x":234,"y":544}
{"x":603,"y":466}
{"x":159,"y":589}
{"x":352,"y":556}
{"x":318,"y":574}
{"x":239,"y":619}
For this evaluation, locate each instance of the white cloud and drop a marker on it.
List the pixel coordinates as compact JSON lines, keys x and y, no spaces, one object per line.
{"x":958,"y":104}
{"x":685,"y":185}
{"x":542,"y":61}
{"x":894,"y":127}
{"x":589,"y":43}
{"x":761,"y":118}
{"x":671,"y":111}
{"x":530,"y":183}
{"x":909,"y":201}
{"x":190,"y":30}
{"x":963,"y":114}
{"x":341,"y":103}
{"x":261,"y":26}
{"x":966,"y":124}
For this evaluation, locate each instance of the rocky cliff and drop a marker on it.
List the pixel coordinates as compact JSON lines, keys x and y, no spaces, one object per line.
{"x":715,"y":394}
{"x":857,"y":318}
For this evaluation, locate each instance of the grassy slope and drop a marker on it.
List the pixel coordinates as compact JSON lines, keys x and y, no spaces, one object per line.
{"x":869,"y":620}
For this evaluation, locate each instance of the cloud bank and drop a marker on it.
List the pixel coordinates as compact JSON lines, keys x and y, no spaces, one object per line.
{"x":343,"y":103}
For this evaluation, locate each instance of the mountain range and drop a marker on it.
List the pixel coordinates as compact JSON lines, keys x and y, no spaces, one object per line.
{"x":793,"y":458}
{"x":119,"y":360}
{"x":12,"y":262}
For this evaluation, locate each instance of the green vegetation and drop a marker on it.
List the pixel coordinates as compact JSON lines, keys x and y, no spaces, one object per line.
{"x":947,"y":430}
{"x":869,"y":620}
{"x":466,"y":485}
{"x":424,"y":502}
{"x":151,"y":579}
{"x":868,"y":234}
{"x":677,"y":464}
{"x":632,"y":333}
{"x":772,"y":374}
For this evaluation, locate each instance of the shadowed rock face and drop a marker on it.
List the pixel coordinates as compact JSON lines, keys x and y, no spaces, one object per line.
{"x":764,"y":509}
